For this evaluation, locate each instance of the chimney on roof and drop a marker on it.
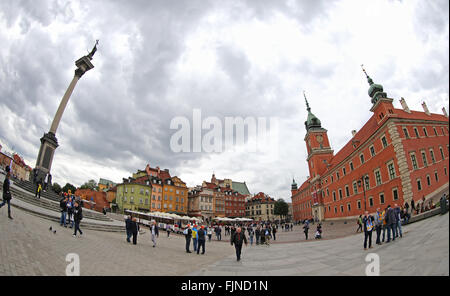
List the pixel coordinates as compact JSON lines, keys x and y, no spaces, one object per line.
{"x":404,"y":105}
{"x":353,"y":133}
{"x":425,"y":108}
{"x":445,"y":112}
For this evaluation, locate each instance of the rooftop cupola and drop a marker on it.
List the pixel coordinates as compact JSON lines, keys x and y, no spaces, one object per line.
{"x":375,"y":90}
{"x":312,"y":121}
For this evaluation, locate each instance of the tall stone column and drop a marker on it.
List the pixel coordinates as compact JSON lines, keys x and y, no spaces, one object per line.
{"x":49,"y":142}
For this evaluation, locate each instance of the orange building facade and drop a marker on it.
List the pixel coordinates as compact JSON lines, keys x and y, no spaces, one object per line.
{"x":399,"y":155}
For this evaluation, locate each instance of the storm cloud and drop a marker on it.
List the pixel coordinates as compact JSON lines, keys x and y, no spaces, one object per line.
{"x":157,"y":60}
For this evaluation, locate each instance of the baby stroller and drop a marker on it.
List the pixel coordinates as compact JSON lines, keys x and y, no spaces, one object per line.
{"x":318,"y":232}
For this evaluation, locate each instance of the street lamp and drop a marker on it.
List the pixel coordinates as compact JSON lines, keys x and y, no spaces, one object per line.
{"x":364,"y":179}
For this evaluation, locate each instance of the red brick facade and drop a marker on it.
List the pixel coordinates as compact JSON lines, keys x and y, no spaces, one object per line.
{"x":98,"y":196}
{"x":388,"y":151}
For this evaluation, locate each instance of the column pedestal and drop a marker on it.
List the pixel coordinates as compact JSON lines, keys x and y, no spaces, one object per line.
{"x":45,"y":157}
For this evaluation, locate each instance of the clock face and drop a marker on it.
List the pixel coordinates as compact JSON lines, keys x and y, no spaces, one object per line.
{"x":319,"y":139}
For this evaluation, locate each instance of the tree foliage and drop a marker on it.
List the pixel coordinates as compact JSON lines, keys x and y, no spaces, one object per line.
{"x":56,"y":187}
{"x":68,"y":187}
{"x":281,"y":208}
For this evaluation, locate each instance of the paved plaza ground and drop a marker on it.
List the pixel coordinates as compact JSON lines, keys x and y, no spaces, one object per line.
{"x":27,"y":247}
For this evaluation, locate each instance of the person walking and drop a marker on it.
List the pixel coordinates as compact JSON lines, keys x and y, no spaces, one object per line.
{"x":306,"y":228}
{"x":258,"y":235}
{"x":188,"y":235}
{"x":378,"y":221}
{"x":168,"y":230}
{"x":45,"y":182}
{"x":274,"y":231}
{"x":134,"y":229}
{"x":359,"y":222}
{"x":38,"y":189}
{"x":77,"y":217}
{"x":6,"y":192}
{"x":63,"y":207}
{"x":219,"y":233}
{"x":413,"y":208}
{"x":128,"y":227}
{"x":154,"y":232}
{"x":368,"y":227}
{"x":251,"y":234}
{"x":398,"y":221}
{"x":443,"y":204}
{"x":201,"y":233}
{"x":209,"y":232}
{"x":237,"y":239}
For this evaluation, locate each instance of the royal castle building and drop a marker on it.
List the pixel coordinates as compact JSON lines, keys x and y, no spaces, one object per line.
{"x":398,"y":155}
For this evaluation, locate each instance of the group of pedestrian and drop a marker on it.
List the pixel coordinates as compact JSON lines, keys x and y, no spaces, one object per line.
{"x":389,"y":220}
{"x":41,"y":185}
{"x":71,"y":212}
{"x":198,"y":236}
{"x":133,"y":229}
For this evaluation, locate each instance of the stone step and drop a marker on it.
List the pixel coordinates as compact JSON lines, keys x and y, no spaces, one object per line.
{"x":45,"y":204}
{"x":53,"y":206}
{"x":83,"y":225}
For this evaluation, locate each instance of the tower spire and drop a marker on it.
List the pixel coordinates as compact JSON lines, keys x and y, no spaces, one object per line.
{"x":306,"y":100}
{"x":368,"y":78}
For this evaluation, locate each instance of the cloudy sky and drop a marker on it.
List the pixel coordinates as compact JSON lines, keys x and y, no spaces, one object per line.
{"x":158,"y":60}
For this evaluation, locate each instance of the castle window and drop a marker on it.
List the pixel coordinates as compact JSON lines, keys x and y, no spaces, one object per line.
{"x":424,"y":158}
{"x":405,"y":131}
{"x":425,"y":131}
{"x":391,"y":170}
{"x":419,"y":185}
{"x":381,"y":198}
{"x":428,"y":180}
{"x":372,"y":151}
{"x":347,"y":191}
{"x":351,"y":166}
{"x":384,"y":141}
{"x":413,"y":160}
{"x":395,"y":194}
{"x":435,"y":131}
{"x":349,"y":207}
{"x":377,"y":177}
{"x":355,"y":188}
{"x":442,"y":152}
{"x":343,"y":171}
{"x":432,"y":155}
{"x":416,"y":132}
{"x":370,"y":201}
{"x":436,"y":176}
{"x":361,"y":157}
{"x":358,"y":203}
{"x":340,"y":193}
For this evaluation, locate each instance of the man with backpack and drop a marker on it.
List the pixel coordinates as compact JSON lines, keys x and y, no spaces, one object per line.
{"x":390,"y":223}
{"x":201,"y":239}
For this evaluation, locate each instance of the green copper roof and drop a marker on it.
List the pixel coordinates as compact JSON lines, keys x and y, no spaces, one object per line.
{"x":311,"y":121}
{"x":375,"y":90}
{"x":240,"y":187}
